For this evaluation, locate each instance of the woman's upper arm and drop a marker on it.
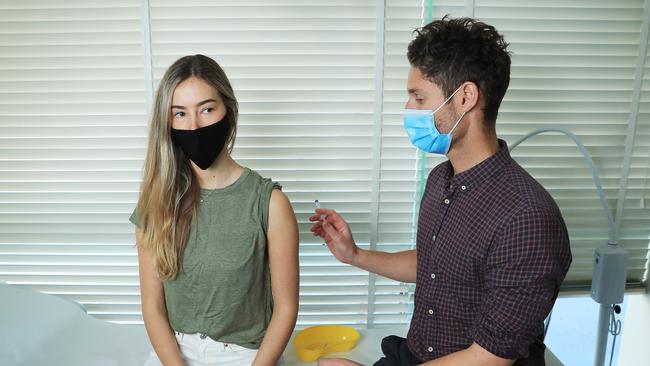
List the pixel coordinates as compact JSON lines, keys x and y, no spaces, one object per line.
{"x":151,"y":287}
{"x":282,"y":244}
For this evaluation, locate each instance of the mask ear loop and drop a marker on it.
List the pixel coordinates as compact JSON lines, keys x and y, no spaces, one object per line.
{"x":456,"y":124}
{"x":445,"y":103}
{"x":450,"y":134}
{"x":461,"y":116}
{"x":448,"y":99}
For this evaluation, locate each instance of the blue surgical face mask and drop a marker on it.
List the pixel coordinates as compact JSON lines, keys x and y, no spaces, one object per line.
{"x":420,"y":125}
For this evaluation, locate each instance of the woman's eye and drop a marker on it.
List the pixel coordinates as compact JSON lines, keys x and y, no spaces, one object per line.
{"x":207,"y":110}
{"x":179,"y":114}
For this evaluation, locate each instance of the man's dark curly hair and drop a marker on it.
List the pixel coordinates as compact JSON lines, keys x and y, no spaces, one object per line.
{"x":450,"y":52}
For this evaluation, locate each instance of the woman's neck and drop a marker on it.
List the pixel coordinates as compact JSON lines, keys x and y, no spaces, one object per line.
{"x":222,"y":173}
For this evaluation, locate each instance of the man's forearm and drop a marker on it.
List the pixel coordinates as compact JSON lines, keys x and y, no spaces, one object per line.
{"x":400,"y":266}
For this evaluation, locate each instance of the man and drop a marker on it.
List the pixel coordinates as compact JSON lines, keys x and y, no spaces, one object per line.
{"x":492,"y":247}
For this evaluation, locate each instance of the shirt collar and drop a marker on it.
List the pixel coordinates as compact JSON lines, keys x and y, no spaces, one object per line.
{"x":477,"y":174}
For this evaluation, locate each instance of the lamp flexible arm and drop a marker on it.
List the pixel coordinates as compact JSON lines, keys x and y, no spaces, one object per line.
{"x":594,"y":173}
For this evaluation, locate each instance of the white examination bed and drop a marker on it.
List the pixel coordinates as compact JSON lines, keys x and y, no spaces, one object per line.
{"x":39,"y":329}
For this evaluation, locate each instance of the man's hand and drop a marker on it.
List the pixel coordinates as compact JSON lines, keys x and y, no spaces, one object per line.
{"x":330,"y":226}
{"x":399,"y":266}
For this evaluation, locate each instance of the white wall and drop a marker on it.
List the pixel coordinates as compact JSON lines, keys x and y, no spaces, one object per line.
{"x":635,"y":347}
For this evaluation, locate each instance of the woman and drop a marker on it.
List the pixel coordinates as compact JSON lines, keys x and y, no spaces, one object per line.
{"x":217,"y":244}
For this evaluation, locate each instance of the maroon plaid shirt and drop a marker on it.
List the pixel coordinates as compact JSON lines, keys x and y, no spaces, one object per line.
{"x":492,"y":251}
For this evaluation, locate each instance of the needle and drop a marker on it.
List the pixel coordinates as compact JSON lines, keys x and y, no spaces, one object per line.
{"x":317,"y":204}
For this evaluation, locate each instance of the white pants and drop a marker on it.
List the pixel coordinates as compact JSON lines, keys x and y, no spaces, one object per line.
{"x":200,"y":350}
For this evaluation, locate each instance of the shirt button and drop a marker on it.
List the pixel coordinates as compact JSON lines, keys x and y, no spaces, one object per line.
{"x":430,"y":349}
{"x":446,"y":201}
{"x":433,"y":276}
{"x":431,"y":311}
{"x":463,"y":188}
{"x":201,"y":201}
{"x":202,"y":336}
{"x":434,"y":238}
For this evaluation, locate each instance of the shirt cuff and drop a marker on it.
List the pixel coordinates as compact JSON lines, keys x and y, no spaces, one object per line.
{"x":499,"y":342}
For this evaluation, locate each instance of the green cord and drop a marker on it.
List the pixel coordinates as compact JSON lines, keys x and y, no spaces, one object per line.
{"x":423,"y":156}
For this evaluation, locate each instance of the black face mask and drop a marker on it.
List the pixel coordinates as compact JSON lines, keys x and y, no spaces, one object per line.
{"x":204,"y":144}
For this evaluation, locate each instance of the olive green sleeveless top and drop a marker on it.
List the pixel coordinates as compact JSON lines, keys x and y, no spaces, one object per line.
{"x":224,"y":287}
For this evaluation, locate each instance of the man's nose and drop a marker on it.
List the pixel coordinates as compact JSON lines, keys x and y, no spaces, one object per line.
{"x":412,"y":105}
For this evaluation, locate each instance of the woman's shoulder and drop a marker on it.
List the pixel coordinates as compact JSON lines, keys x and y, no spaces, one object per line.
{"x":262,"y":181}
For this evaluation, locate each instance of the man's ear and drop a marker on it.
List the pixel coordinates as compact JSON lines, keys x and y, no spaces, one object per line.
{"x":468,"y":97}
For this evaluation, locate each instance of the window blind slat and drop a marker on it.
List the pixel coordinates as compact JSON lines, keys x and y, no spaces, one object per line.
{"x":73,"y":130}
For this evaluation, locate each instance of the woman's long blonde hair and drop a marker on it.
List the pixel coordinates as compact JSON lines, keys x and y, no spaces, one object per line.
{"x":170,"y":191}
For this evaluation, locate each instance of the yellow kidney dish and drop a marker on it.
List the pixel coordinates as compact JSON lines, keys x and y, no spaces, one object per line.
{"x":314,"y":342}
